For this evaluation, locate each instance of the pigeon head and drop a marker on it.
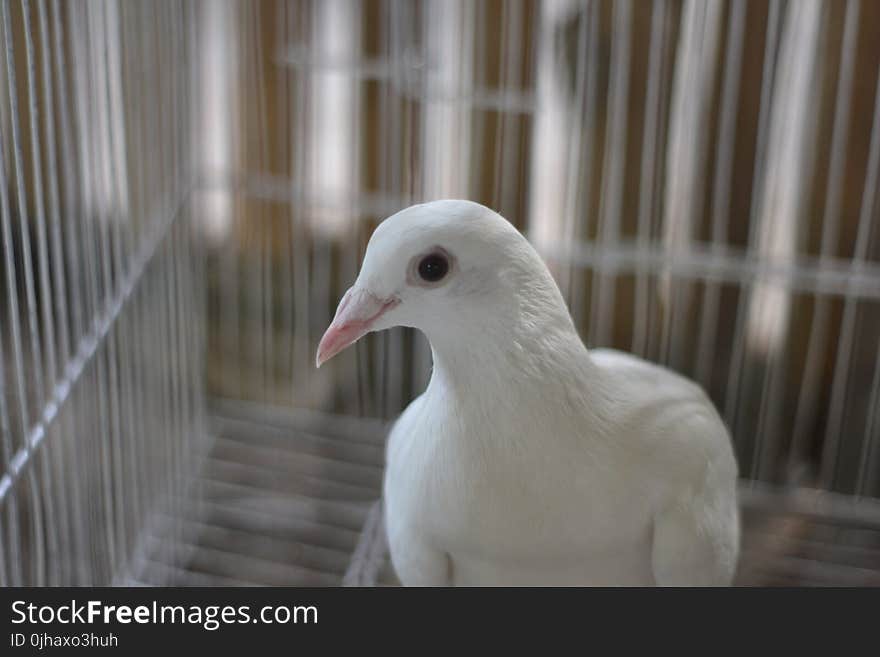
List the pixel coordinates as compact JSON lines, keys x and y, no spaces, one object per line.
{"x":448,"y":268}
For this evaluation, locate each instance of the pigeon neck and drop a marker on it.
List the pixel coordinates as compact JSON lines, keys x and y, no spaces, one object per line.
{"x":485,"y":359}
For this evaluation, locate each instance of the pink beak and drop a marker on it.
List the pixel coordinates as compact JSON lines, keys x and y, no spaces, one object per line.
{"x":355,"y":317}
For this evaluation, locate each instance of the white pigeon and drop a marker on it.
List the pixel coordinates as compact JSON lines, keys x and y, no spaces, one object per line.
{"x":529,"y":460}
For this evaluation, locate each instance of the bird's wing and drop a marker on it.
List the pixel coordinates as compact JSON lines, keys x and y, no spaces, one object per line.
{"x":696,"y":533}
{"x":695,"y":544}
{"x":644,"y":377}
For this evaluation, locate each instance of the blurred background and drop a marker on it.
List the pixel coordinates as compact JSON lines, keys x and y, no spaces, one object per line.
{"x":187,"y":188}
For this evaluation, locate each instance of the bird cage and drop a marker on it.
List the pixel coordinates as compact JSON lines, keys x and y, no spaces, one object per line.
{"x":187,"y":189}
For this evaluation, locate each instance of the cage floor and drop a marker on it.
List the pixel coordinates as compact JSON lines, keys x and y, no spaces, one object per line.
{"x":275,"y":502}
{"x":281,"y":499}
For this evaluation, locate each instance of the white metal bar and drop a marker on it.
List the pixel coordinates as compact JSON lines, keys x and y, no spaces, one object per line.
{"x":729,"y":265}
{"x":807,"y":406}
{"x":708,"y":332}
{"x":391,"y":343}
{"x":38,"y":561}
{"x":60,"y":290}
{"x":731,"y":401}
{"x":300,"y":247}
{"x":512,"y":125}
{"x":649,"y":169}
{"x":21,"y":207}
{"x":90,"y":423}
{"x":504,"y":58}
{"x":791,"y":155}
{"x":10,"y":569}
{"x":118,"y":64}
{"x":78,"y":303}
{"x":6,"y":430}
{"x":581,"y":163}
{"x":113,"y":268}
{"x":97,"y":117}
{"x":48,"y":482}
{"x":691,"y":104}
{"x":602,"y":312}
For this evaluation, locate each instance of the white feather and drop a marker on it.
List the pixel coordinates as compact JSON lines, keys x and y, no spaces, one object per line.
{"x":529,"y":460}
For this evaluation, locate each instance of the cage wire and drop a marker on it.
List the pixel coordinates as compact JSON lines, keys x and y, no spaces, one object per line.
{"x":187,"y":188}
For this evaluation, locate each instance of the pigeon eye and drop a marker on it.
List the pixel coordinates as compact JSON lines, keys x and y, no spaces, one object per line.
{"x":433,"y":267}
